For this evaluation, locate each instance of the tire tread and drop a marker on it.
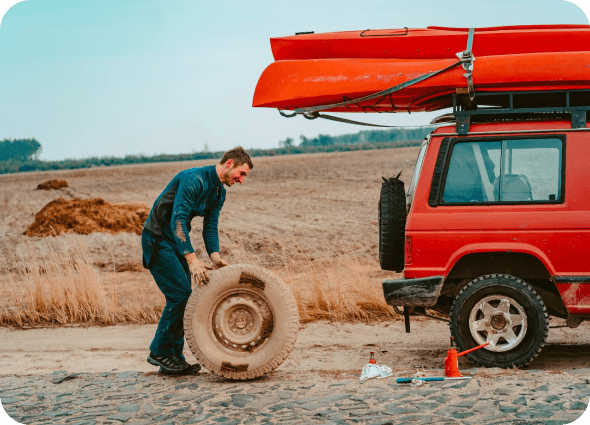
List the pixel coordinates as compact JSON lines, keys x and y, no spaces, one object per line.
{"x":544,"y":313}
{"x":291,"y":311}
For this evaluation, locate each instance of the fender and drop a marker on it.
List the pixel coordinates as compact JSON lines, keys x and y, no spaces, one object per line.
{"x":499,"y":247}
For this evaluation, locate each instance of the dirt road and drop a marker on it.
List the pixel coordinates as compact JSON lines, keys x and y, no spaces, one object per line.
{"x":342,"y":349}
{"x":99,"y":375}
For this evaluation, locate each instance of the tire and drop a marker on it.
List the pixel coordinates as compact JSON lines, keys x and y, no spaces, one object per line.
{"x":507,"y":306}
{"x":392,"y":225}
{"x":243,"y":324}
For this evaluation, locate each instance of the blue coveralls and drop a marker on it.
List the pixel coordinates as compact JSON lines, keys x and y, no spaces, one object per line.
{"x":165,"y":240}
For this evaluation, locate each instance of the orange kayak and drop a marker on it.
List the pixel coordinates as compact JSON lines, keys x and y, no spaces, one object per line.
{"x":432,"y":42}
{"x":290,"y":84}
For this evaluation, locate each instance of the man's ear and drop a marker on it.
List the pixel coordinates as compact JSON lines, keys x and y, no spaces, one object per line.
{"x":229,"y":163}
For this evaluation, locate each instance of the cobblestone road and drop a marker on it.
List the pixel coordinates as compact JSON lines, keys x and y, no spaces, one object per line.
{"x":492,"y":396}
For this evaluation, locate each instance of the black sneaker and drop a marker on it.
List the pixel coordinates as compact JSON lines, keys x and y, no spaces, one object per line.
{"x":170,"y":364}
{"x":191,"y":369}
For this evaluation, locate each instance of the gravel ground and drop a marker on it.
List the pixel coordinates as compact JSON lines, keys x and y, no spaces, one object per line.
{"x":144,"y":398}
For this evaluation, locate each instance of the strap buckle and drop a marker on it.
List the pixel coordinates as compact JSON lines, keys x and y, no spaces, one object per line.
{"x":466,"y":57}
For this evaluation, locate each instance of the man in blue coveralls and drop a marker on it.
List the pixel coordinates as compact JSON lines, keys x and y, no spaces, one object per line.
{"x":169,"y":255}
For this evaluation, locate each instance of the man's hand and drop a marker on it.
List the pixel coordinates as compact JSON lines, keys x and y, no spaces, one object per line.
{"x":198,"y":269}
{"x":218,"y":262}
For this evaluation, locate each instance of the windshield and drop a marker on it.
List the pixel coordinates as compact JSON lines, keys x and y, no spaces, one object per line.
{"x":416,"y":174}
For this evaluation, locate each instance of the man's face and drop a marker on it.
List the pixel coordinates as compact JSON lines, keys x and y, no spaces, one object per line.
{"x":233,"y":174}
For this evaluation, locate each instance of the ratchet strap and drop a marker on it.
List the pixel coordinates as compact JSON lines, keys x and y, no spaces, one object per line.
{"x":466,"y":60}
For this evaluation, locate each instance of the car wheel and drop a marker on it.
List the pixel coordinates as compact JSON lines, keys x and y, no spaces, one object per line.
{"x":243,"y":323}
{"x":392,"y":224}
{"x":505,"y":311}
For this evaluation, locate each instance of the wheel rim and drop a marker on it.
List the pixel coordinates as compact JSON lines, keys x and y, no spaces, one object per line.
{"x":499,"y":320}
{"x":242,"y":322}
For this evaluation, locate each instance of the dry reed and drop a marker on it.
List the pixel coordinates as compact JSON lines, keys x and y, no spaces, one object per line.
{"x":337,"y":287}
{"x":59,"y":285}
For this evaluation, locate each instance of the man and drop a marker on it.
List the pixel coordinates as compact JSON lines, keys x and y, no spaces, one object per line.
{"x":169,"y":255}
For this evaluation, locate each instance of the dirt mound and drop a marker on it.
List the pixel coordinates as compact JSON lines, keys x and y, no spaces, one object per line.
{"x":84,"y":216}
{"x":52,"y":184}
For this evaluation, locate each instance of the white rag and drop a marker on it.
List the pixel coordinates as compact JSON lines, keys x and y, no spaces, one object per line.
{"x":375,"y":371}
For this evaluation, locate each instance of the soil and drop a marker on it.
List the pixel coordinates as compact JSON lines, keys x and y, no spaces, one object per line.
{"x":290,"y":208}
{"x":85,"y":216}
{"x":340,"y":349}
{"x":52,"y":184}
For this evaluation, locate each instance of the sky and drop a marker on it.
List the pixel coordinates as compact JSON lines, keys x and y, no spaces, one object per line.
{"x":116,"y":77}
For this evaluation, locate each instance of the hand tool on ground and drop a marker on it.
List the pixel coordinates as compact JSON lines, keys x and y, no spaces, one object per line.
{"x":408,"y":380}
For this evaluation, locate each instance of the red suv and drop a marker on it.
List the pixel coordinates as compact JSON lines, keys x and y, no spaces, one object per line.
{"x":494,"y":230}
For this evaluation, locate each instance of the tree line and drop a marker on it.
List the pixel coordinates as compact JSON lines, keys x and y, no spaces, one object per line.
{"x":21,"y":155}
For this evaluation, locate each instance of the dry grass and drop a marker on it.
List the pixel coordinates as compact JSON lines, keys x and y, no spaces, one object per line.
{"x":337,"y":287}
{"x":59,"y":285}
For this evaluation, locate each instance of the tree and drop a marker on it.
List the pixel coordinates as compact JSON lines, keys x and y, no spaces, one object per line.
{"x":287,"y":143}
{"x":20,"y":150}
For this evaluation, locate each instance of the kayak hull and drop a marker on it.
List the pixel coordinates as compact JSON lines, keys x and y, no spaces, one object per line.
{"x":432,"y":42}
{"x":290,"y":84}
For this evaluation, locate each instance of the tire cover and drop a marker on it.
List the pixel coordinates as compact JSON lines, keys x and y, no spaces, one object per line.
{"x":392,"y":224}
{"x":243,"y":324}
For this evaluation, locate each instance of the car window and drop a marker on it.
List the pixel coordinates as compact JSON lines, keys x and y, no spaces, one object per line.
{"x":519,"y":170}
{"x":538,"y":162}
{"x":473,"y":169}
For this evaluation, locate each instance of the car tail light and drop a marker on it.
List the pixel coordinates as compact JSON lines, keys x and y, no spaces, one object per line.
{"x":408,"y":249}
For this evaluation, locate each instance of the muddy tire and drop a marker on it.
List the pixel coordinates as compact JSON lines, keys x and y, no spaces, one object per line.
{"x":243,"y":324}
{"x":505,"y":310}
{"x":392,"y":225}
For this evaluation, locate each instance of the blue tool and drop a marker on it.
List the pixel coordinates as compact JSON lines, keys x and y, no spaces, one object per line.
{"x":408,"y":380}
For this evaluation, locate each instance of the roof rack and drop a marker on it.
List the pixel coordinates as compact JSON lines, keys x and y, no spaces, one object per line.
{"x":535,"y":105}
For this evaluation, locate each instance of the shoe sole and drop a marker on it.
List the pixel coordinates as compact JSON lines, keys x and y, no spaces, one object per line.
{"x":188,"y":371}
{"x":165,"y":368}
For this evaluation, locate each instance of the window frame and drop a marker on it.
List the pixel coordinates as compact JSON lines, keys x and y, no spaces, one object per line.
{"x":449,"y":155}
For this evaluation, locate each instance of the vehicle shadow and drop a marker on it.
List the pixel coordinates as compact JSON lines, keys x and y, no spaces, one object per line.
{"x":561,"y":357}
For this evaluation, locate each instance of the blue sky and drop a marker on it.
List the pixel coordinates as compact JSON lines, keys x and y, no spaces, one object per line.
{"x":116,"y":77}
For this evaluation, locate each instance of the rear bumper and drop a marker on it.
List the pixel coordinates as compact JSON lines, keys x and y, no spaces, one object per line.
{"x":413,"y":292}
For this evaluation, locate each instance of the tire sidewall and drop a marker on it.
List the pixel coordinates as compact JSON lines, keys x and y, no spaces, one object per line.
{"x":199,"y":328}
{"x":519,"y":291}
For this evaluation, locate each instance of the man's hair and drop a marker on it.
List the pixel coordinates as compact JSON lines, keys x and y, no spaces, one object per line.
{"x":239,"y":155}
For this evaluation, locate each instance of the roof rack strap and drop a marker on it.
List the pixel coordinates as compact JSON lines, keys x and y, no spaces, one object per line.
{"x":314,"y":115}
{"x":467,"y":60}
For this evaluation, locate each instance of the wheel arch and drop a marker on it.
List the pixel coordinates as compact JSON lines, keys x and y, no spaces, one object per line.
{"x":523,"y":265}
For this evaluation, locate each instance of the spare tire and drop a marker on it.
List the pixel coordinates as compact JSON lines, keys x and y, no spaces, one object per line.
{"x":243,"y":324}
{"x":392,"y":224}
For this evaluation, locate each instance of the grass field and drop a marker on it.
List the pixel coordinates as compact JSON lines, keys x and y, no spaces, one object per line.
{"x":312,"y":219}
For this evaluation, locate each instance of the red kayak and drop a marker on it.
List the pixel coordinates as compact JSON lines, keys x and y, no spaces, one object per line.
{"x":305,"y":83}
{"x":432,"y":42}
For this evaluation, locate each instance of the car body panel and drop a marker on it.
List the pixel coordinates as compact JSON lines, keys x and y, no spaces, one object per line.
{"x":558,"y":234}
